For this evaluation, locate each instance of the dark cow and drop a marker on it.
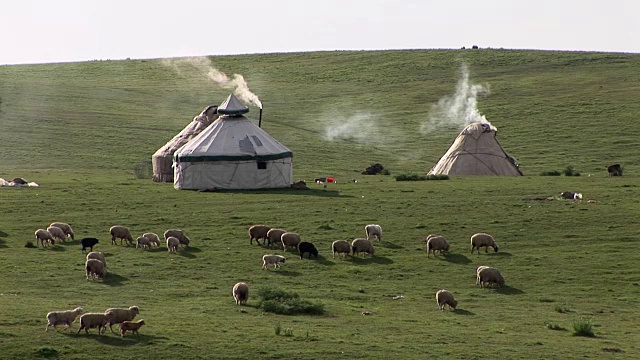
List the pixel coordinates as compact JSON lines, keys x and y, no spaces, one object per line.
{"x":307,"y":247}
{"x":88,"y":243}
{"x":614,"y":170}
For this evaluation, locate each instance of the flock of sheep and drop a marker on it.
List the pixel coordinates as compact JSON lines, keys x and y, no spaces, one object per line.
{"x":96,"y":268}
{"x":484,"y":275}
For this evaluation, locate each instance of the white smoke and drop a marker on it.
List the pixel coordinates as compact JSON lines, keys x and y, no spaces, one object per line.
{"x":359,"y":128}
{"x":459,"y":109}
{"x":204,"y":66}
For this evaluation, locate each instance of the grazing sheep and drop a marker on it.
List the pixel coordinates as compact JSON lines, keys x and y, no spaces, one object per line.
{"x":98,"y":256}
{"x":66,"y":228}
{"x":274,"y":260}
{"x":437,"y":243}
{"x":57,"y":233}
{"x":274,"y":236}
{"x":258,"y":232}
{"x":362,"y":245}
{"x":88,"y":243}
{"x":478,"y":268}
{"x":444,"y":297}
{"x":172,"y":244}
{"x":290,"y":239}
{"x":130,"y":326}
{"x":241,"y":293}
{"x":143,"y":242}
{"x":62,"y":317}
{"x":614,"y":170}
{"x":373,"y":230}
{"x":153,"y":238}
{"x":307,"y":247}
{"x":489,"y":276}
{"x":178,"y":234}
{"x":43,"y":235}
{"x":93,"y":320}
{"x":116,"y":316}
{"x":122,"y":233}
{"x":483,"y":240}
{"x":340,"y":247}
{"x":95,"y":269}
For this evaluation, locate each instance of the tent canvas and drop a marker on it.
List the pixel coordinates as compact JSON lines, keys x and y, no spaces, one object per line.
{"x":476,"y":151}
{"x":233,"y":153}
{"x":162,"y":159}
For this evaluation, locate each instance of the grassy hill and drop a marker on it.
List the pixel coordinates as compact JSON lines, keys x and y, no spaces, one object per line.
{"x":80,"y":130}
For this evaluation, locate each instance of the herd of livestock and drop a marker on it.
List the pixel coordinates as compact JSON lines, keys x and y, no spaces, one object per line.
{"x":95,"y":265}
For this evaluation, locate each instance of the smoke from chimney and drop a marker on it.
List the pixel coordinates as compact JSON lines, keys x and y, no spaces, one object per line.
{"x":459,"y":109}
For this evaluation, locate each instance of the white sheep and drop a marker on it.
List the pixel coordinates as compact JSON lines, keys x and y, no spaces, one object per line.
{"x":340,"y":247}
{"x":43,"y":235}
{"x":57,"y":233}
{"x":143,"y":242}
{"x":362,"y":245}
{"x":437,"y":243}
{"x":62,"y":317}
{"x":95,"y":269}
{"x":373,"y":230}
{"x":66,"y":228}
{"x":178,"y":234}
{"x":258,"y":232}
{"x":116,"y":316}
{"x":289,"y":239}
{"x":93,"y":320}
{"x":172,"y":244}
{"x":489,"y":276}
{"x":122,"y":233}
{"x":274,"y":260}
{"x":153,"y":238}
{"x":483,"y":240}
{"x":98,"y":256}
{"x":444,"y":297}
{"x":241,"y":293}
{"x":274,"y":236}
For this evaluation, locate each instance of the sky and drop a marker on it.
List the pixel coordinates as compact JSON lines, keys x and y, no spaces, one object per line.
{"x":46,"y":31}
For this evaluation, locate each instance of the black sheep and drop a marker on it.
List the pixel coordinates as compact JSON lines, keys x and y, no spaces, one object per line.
{"x":88,"y":243}
{"x":307,"y":247}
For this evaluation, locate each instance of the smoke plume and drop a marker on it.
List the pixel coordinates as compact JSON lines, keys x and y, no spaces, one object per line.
{"x":459,"y":109}
{"x":358,"y":128}
{"x":204,"y":66}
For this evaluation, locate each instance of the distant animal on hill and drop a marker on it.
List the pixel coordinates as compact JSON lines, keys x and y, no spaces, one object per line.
{"x":614,"y":170}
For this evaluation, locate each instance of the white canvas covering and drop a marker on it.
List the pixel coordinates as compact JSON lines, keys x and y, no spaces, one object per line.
{"x":476,"y":151}
{"x":233,"y":153}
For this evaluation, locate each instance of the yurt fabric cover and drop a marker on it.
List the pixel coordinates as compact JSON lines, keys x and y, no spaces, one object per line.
{"x":162,"y":159}
{"x":232,"y":153}
{"x":476,"y":151}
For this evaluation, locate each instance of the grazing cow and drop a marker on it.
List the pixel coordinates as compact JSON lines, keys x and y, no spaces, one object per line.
{"x":614,"y":170}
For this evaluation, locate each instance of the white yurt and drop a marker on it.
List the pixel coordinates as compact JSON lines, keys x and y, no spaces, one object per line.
{"x":232,"y":153}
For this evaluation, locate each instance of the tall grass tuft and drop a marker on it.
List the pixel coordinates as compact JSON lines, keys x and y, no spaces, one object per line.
{"x":569,"y":171}
{"x":550,"y":173}
{"x":281,"y":302}
{"x":583,"y":327}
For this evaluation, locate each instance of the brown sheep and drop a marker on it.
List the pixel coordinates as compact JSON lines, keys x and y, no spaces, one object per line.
{"x":130,"y":326}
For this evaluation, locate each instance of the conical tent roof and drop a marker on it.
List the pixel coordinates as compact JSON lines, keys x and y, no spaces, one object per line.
{"x":476,"y":151}
{"x":233,"y":153}
{"x":232,"y":106}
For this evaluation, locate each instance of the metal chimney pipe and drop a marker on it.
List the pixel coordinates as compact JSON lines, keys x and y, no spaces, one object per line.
{"x":260,"y":121}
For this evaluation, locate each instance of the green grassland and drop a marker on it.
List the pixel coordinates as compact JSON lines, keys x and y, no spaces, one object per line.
{"x":80,"y":130}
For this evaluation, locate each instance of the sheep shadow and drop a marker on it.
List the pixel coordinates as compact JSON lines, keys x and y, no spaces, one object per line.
{"x":185,"y":253}
{"x":321,"y":260}
{"x":456,"y":258}
{"x":109,"y":339}
{"x":285,"y":272}
{"x":55,"y":247}
{"x":508,"y":290}
{"x":287,"y":191}
{"x":3,"y":243}
{"x":390,"y":245}
{"x":192,"y":249}
{"x":500,"y":253}
{"x":462,"y":312}
{"x":3,"y":234}
{"x":156,"y":249}
{"x":371,"y":260}
{"x":114,"y":279}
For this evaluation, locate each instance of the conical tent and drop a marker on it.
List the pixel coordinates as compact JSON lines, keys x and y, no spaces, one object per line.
{"x":476,"y":151}
{"x":162,"y":159}
{"x":233,"y":153}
